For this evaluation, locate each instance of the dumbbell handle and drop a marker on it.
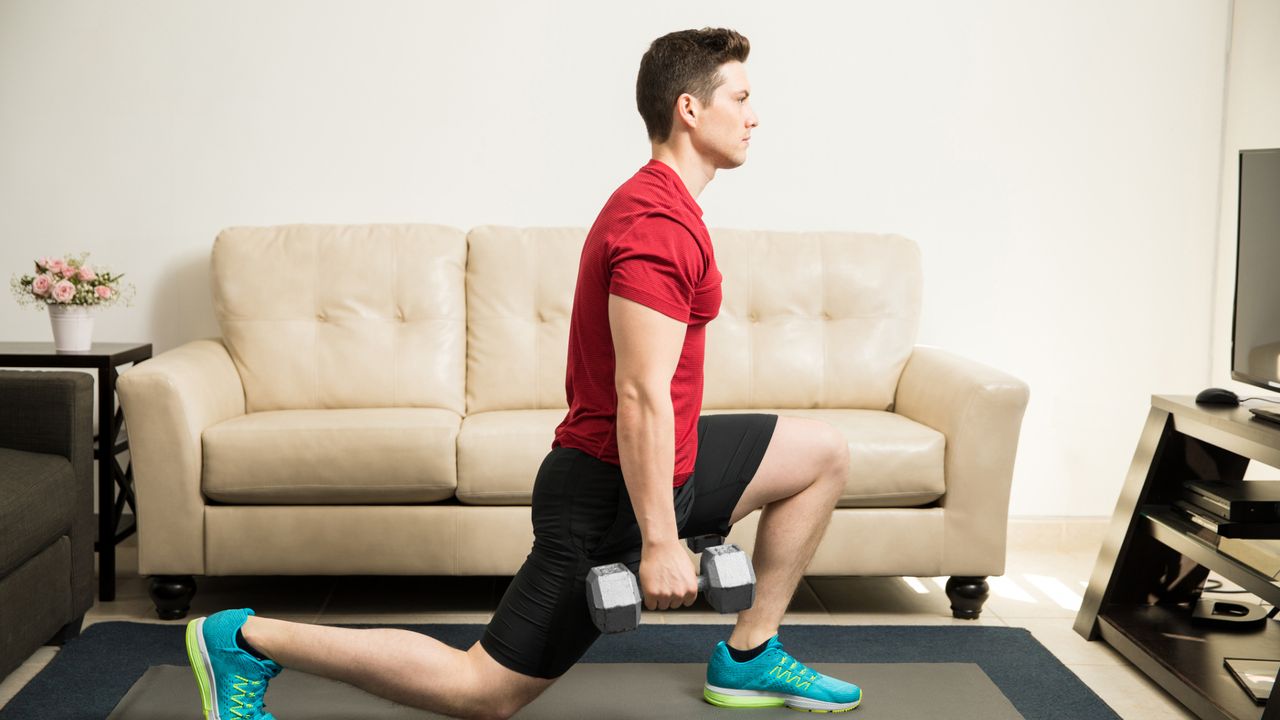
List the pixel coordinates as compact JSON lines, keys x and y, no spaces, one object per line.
{"x":702,"y":584}
{"x":615,"y":597}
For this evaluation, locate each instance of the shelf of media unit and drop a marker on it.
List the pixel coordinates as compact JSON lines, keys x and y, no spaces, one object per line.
{"x":1182,"y":657}
{"x":1165,"y":526}
{"x":1186,"y":659}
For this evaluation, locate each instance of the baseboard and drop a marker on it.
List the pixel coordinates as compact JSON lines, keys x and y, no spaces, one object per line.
{"x":1057,"y":534}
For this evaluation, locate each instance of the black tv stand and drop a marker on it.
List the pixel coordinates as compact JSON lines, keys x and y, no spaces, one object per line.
{"x":1153,"y":563}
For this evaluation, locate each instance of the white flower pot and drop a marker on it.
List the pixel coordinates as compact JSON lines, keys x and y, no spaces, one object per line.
{"x":72,"y":327}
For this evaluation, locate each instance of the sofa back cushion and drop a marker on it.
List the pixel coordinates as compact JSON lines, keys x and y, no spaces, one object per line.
{"x":520,"y":285}
{"x":343,"y":316}
{"x":808,"y":320}
{"x":812,"y":319}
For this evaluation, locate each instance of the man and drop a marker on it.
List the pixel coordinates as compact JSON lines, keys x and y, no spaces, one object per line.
{"x":633,"y":468}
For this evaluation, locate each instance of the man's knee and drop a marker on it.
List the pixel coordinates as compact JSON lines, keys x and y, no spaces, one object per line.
{"x":496,"y":704}
{"x":513,"y":701}
{"x":838,"y":447}
{"x":497,"y":692}
{"x":496,"y":713}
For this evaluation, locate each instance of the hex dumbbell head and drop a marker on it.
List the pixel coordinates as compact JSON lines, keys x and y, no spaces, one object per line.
{"x":729,"y":580}
{"x":613,"y":595}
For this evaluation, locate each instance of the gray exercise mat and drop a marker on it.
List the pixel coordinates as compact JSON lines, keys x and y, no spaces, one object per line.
{"x":957,"y":691}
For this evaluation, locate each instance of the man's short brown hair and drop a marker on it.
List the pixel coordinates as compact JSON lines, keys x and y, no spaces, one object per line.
{"x":681,"y":62}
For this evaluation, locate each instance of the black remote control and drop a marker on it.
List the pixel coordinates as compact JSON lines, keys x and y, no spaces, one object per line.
{"x":1266,"y":415}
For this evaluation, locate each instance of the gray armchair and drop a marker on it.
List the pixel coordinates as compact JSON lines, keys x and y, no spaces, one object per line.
{"x":46,"y":510}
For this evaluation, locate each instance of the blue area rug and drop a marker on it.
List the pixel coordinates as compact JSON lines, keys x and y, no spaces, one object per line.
{"x":92,"y":672}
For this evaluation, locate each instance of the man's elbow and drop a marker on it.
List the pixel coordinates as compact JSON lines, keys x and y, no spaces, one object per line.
{"x":644,"y":394}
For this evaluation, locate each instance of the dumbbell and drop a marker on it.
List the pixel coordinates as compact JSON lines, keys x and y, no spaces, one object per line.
{"x":702,"y":542}
{"x":728,"y":581}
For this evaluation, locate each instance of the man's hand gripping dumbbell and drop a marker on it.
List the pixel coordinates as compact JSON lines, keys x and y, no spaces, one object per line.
{"x":728,"y":581}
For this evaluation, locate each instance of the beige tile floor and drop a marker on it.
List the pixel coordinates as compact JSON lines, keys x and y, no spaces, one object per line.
{"x":1048,"y":567}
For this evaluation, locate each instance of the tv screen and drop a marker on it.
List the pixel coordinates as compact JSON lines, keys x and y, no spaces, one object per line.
{"x":1255,"y":333}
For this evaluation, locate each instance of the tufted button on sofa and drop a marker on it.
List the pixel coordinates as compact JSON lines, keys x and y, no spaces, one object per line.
{"x":381,"y":397}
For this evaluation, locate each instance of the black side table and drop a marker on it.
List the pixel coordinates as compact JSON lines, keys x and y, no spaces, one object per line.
{"x":105,"y":358}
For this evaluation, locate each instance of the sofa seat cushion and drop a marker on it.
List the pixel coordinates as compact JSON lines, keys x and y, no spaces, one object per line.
{"x":499,"y":454}
{"x":37,"y":501}
{"x":348,"y":456}
{"x":896,"y":462}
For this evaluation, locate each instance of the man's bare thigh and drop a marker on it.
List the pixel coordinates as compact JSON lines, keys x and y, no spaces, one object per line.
{"x":800,"y":451}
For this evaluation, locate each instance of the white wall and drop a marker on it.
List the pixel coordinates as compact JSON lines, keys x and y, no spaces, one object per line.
{"x":1057,"y":162}
{"x":1252,"y":122}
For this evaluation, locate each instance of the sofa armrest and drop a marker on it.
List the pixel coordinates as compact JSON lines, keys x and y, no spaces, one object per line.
{"x":168,"y":402}
{"x":979,"y":410}
{"x":44,"y":412}
{"x":52,"y":413}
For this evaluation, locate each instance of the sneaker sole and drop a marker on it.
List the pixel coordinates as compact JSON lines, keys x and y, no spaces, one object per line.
{"x":198,"y":656}
{"x":731,"y":698}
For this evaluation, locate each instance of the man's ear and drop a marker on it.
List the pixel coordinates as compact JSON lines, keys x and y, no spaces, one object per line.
{"x":687,"y":103}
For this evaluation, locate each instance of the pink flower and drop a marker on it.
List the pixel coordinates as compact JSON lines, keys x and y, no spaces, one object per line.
{"x":55,"y":264}
{"x":63,"y":291}
{"x":42,"y":263}
{"x":41,"y":284}
{"x":87,"y":273}
{"x":103,"y":292}
{"x":68,"y":271}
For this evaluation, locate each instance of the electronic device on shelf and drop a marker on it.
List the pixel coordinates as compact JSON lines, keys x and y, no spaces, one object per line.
{"x":1255,"y":675}
{"x":1230,"y":614}
{"x":1223,"y":527}
{"x":1252,"y":501}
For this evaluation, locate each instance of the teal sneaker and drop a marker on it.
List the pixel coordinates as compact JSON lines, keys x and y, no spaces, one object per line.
{"x":774,"y":679}
{"x":232,"y":682}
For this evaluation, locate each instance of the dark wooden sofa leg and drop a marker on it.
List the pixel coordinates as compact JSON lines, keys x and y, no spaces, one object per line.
{"x":172,"y":595}
{"x":67,"y":632}
{"x":967,"y":594}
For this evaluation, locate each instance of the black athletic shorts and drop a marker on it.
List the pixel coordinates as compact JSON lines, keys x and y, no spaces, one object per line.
{"x":582,"y":517}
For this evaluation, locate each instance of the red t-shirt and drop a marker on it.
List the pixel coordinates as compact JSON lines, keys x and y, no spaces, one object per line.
{"x":648,"y":245}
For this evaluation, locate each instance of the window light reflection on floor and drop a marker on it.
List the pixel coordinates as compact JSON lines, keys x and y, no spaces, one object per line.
{"x":915,"y":584}
{"x":1057,"y":591}
{"x":1006,"y":587}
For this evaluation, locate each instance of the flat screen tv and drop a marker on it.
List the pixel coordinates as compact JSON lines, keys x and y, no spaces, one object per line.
{"x":1255,"y":327}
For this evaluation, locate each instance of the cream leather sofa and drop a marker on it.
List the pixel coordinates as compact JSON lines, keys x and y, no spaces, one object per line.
{"x":382,"y":396}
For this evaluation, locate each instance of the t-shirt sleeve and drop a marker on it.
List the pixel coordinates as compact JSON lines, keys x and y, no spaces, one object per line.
{"x":657,"y":264}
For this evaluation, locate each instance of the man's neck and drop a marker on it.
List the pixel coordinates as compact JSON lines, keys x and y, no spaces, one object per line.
{"x":692,"y":169}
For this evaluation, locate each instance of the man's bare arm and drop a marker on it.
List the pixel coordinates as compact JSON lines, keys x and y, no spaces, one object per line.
{"x":647,"y":346}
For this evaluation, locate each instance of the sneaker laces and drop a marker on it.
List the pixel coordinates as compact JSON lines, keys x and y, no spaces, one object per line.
{"x":799,"y":668}
{"x":249,"y":699}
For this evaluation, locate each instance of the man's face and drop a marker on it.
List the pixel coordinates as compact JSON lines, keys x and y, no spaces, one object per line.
{"x":726,"y":123}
